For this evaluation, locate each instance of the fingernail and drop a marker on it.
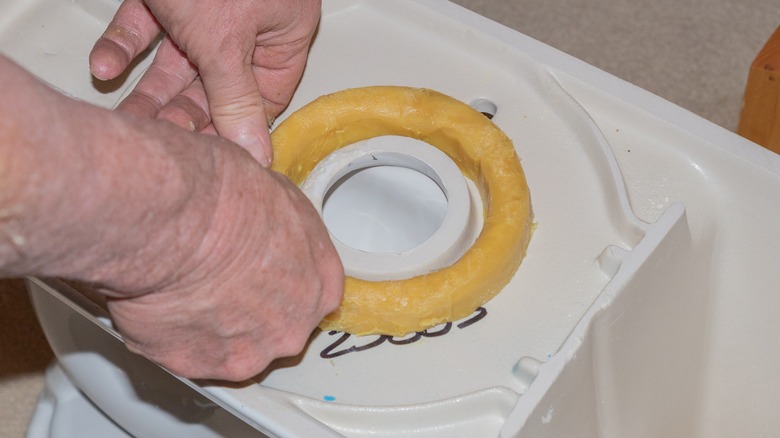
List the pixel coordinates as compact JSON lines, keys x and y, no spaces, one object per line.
{"x":256,"y":148}
{"x":96,"y":71}
{"x":264,"y":161}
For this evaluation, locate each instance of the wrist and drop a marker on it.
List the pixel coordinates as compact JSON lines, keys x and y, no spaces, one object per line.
{"x":159,"y":190}
{"x":97,"y":196}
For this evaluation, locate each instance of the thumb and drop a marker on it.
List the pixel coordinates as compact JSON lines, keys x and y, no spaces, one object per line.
{"x":236,"y":107}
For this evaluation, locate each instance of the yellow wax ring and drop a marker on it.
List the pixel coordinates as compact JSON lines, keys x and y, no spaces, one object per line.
{"x":479,"y":148}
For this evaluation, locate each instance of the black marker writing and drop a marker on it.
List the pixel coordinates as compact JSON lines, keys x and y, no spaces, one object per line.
{"x":333,"y":350}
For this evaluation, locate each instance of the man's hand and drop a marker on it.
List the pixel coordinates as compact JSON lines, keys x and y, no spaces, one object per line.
{"x":213,"y":266}
{"x":234,"y":62}
{"x":262,"y":278}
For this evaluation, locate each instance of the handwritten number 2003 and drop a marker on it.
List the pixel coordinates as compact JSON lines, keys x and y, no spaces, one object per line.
{"x":332,"y":350}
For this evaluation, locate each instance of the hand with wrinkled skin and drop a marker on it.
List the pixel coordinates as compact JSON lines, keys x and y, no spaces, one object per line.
{"x":261,"y":279}
{"x":233,"y":62}
{"x":212,"y":265}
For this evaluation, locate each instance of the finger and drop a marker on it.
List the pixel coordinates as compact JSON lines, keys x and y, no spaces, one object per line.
{"x":236,"y":106}
{"x":279,"y":58}
{"x":130,"y":32}
{"x":277,"y":72}
{"x":168,"y":75}
{"x":209,"y":129}
{"x":277,"y":88}
{"x":189,"y":109}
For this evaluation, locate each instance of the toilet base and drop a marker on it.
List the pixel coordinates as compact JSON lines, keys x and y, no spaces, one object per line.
{"x":63,"y":412}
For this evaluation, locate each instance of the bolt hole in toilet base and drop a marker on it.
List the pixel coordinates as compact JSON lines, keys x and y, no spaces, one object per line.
{"x":485,"y":106}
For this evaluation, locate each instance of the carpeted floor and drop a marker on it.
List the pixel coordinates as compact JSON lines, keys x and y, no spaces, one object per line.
{"x":695,"y":53}
{"x":24,"y":355}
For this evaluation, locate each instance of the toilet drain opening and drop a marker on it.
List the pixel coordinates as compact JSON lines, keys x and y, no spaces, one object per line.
{"x":384,"y":209}
{"x":395,"y":207}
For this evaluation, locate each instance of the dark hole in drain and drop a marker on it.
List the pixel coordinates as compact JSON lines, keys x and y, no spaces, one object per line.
{"x":486,"y":107}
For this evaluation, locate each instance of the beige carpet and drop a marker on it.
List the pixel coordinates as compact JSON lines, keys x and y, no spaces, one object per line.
{"x":24,"y":355}
{"x":695,"y":53}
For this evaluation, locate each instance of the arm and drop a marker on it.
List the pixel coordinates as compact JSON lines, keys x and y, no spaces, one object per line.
{"x":213,"y":265}
{"x":70,"y":167}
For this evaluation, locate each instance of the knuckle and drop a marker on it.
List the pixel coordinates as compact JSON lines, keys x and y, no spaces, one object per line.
{"x":242,"y":366}
{"x":293,"y":342}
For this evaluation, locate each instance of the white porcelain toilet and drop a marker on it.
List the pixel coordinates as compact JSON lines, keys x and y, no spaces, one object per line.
{"x":646,"y":305}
